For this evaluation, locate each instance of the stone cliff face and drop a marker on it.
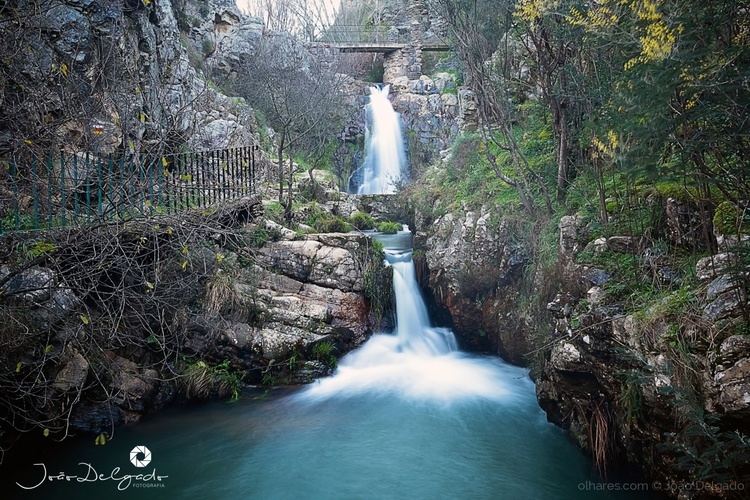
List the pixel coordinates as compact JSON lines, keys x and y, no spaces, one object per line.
{"x":429,"y":109}
{"x":631,"y":387}
{"x":107,"y":75}
{"x":472,"y":266}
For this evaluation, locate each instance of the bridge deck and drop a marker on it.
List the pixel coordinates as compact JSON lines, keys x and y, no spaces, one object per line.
{"x":384,"y":47}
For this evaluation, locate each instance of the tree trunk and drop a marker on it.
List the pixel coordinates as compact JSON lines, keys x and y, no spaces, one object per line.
{"x":603,"y":216}
{"x":281,"y":167}
{"x":561,"y":126}
{"x":290,"y":197}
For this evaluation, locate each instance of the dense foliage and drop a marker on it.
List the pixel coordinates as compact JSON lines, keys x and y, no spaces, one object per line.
{"x":653,"y":90}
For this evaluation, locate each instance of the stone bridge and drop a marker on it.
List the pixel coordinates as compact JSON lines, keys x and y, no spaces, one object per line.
{"x":402,"y":46}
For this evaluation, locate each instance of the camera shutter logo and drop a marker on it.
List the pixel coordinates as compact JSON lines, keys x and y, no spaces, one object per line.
{"x":144,"y":454}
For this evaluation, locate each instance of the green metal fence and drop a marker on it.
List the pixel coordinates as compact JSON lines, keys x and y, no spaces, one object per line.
{"x":65,"y":189}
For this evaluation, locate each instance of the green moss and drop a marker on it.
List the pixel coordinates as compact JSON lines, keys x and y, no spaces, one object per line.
{"x":361,"y":220}
{"x":667,"y":305}
{"x":389,"y":227}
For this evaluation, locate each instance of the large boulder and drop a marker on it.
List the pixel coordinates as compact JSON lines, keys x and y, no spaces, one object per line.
{"x":470,"y":263}
{"x":714,"y":265}
{"x":570,"y":234}
{"x":297,"y":294}
{"x":73,"y":373}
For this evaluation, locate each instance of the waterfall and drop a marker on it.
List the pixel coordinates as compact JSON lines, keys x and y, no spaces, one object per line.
{"x":417,"y":360}
{"x":385,"y":157}
{"x":413,"y":328}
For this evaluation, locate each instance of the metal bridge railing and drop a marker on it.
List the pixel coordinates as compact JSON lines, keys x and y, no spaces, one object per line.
{"x":61,"y":190}
{"x":363,"y":34}
{"x":369,"y":35}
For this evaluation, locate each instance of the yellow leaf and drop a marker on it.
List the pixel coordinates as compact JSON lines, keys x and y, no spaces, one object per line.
{"x":164,"y":161}
{"x":149,"y":285}
{"x":142,"y":117}
{"x":18,"y":366}
{"x":28,"y":142}
{"x":184,"y":265}
{"x":45,"y":432}
{"x":100,"y":440}
{"x":47,"y":348}
{"x":85,"y":319}
{"x":64,"y":69}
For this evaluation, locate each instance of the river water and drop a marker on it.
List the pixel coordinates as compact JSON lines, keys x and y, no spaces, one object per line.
{"x":407,"y":415}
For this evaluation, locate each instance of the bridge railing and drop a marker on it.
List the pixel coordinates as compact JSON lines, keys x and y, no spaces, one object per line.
{"x":369,"y":35}
{"x":58,"y":189}
{"x":355,"y":34}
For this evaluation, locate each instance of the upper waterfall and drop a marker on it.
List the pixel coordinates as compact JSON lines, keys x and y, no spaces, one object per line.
{"x":385,"y":155}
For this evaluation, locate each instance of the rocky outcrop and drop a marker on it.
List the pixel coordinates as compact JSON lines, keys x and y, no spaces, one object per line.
{"x":638,"y":377}
{"x":471,"y":264}
{"x":38,"y":292}
{"x":429,"y":114}
{"x":298,"y":293}
{"x":647,"y":380}
{"x":107,"y":76}
{"x":219,"y":32}
{"x":213,"y":308}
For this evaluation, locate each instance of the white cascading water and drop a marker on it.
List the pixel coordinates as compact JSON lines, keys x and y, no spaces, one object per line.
{"x":385,"y":157}
{"x":418,"y":362}
{"x":413,"y":326}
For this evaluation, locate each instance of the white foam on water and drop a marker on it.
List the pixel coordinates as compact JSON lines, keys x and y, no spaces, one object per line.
{"x":417,"y":361}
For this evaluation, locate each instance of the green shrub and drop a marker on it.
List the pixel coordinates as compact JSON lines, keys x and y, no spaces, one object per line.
{"x":389,"y":227}
{"x":40,"y":248}
{"x":200,"y":380}
{"x":258,"y":237}
{"x":274,"y":211}
{"x":361,"y":220}
{"x":323,"y":352}
{"x":208,"y":47}
{"x":332,"y":224}
{"x":728,"y":219}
